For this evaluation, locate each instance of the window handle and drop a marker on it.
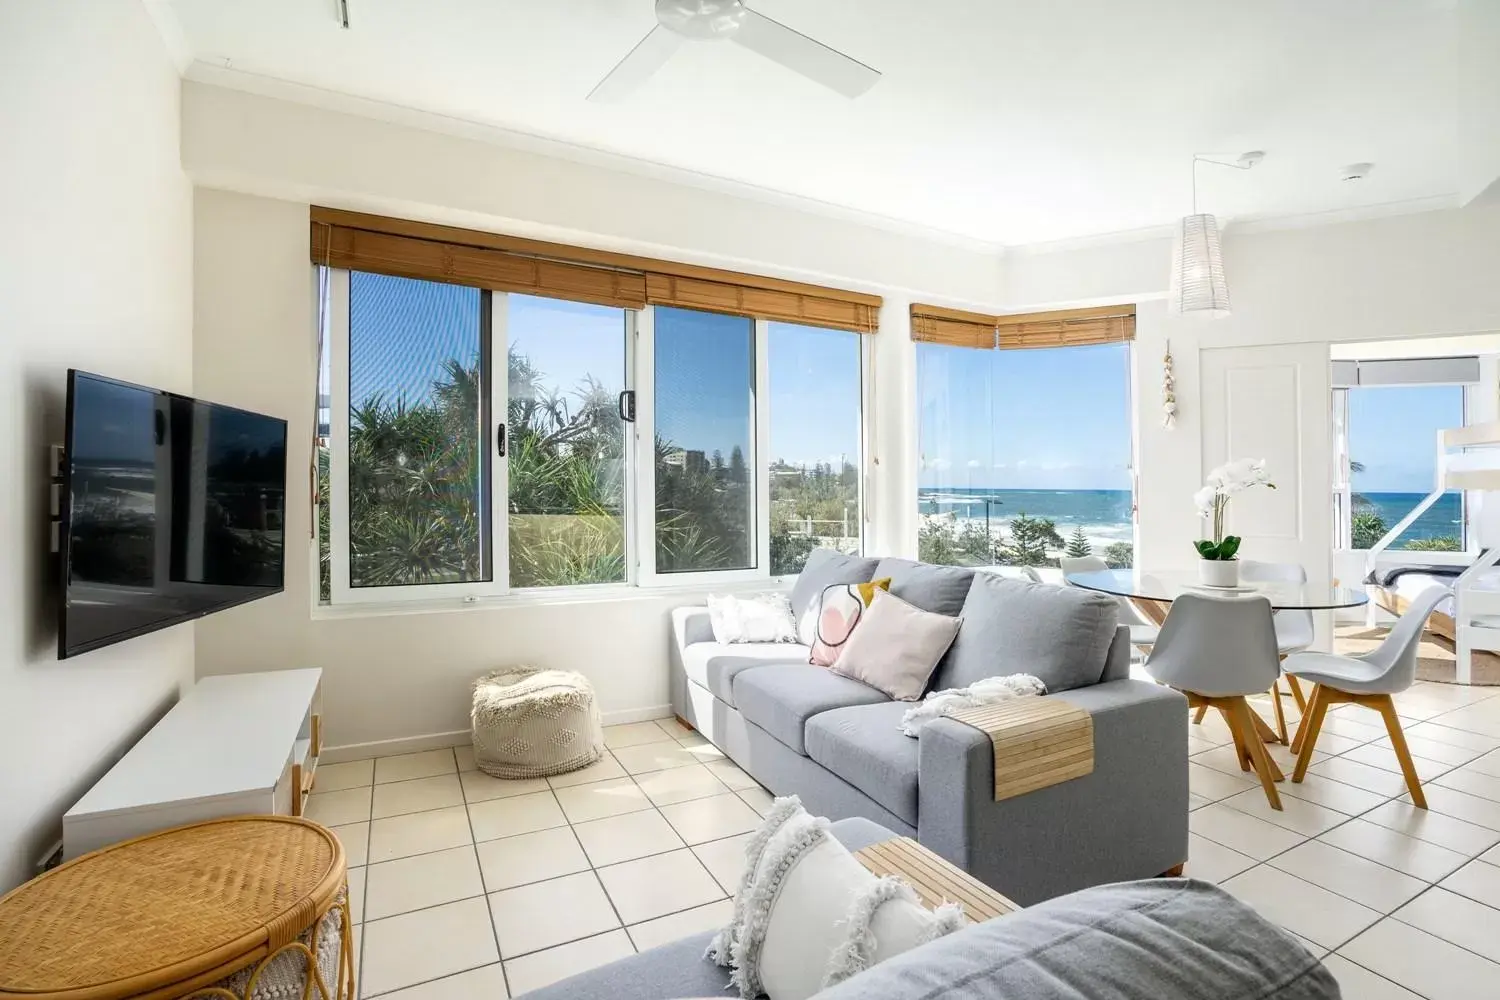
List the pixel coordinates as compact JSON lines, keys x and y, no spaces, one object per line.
{"x":627,"y":406}
{"x":500,"y":439}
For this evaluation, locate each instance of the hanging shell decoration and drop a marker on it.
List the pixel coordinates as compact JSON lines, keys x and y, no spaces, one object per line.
{"x":1168,"y":391}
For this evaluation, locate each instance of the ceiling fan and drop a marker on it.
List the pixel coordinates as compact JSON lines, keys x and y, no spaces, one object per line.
{"x":731,"y":20}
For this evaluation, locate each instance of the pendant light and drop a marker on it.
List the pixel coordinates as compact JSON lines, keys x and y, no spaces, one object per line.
{"x":1197,"y":285}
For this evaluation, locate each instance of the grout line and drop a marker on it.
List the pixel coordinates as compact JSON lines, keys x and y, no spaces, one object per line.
{"x":489,"y":912}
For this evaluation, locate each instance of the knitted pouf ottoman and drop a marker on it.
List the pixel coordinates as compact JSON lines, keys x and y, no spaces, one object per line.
{"x":529,"y":723}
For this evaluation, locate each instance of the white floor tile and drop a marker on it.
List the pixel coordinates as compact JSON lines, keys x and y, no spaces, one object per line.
{"x":1434,"y":827}
{"x":652,"y":887}
{"x":712,"y":818}
{"x":496,"y":818}
{"x":1384,"y":758}
{"x":725,"y":860}
{"x":1439,"y":733}
{"x":1457,"y":920}
{"x":634,"y":734}
{"x":1418,"y":858}
{"x":1492,"y":855}
{"x":1332,"y":794}
{"x":729,"y":772}
{"x":1461,"y":805}
{"x":1487,"y":764}
{"x":1213,"y":862}
{"x":544,"y":914}
{"x":674,"y":926}
{"x":1214,"y":784}
{"x":544,"y":968}
{"x":417,"y":795}
{"x":674,"y":728}
{"x":484,"y":983}
{"x":1301,"y":907}
{"x":1297,"y":815}
{"x":599,"y":799}
{"x":1465,"y":779}
{"x":1197,"y":744}
{"x":634,"y":835}
{"x":426,"y":944}
{"x":757,"y":798}
{"x":352,"y":805}
{"x":1360,"y":775}
{"x":1197,"y":801}
{"x":530,"y":857}
{"x":424,"y":880}
{"x":464,"y":757}
{"x":419,"y":833}
{"x":1358,"y":983}
{"x":1481,"y":719}
{"x":603,"y":769}
{"x":334,"y":777}
{"x":1478,"y":880}
{"x":1241,"y":831}
{"x":1361,"y":732}
{"x":357,"y":895}
{"x":415,"y":765}
{"x":1354,"y":877}
{"x":481,"y":787}
{"x":657,"y":757}
{"x":356,"y":840}
{"x":1431,"y":749}
{"x":680,"y":784}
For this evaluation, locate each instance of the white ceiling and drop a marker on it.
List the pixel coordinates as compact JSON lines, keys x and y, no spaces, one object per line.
{"x":1005,"y":121}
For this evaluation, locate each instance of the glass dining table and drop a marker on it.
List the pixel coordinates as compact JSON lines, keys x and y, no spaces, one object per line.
{"x":1166,"y":586}
{"x":1161,"y":587}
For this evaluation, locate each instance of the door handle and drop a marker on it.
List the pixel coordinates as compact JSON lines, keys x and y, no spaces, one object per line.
{"x":500,"y":439}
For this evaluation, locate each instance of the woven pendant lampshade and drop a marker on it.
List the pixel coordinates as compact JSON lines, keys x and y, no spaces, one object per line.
{"x":1197,"y":285}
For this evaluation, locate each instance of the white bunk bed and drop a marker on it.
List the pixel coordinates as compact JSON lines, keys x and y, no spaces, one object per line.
{"x":1468,"y":458}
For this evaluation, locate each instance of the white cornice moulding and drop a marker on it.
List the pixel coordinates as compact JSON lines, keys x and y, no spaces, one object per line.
{"x":179,"y":50}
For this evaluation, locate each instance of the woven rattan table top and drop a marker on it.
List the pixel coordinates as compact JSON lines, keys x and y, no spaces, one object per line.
{"x":183,"y":906}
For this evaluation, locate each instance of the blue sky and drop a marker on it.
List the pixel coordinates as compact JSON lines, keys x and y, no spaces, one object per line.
{"x":1048,"y":418}
{"x":1393,"y":431}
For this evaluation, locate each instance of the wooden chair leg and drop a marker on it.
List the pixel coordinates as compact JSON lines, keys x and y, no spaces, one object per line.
{"x":1387,"y":709}
{"x":1279,"y":712}
{"x":1296,"y":686}
{"x":1296,"y":745}
{"x":1241,"y":751}
{"x":1245,"y":722}
{"x":1307,"y":736}
{"x":1198,"y":716}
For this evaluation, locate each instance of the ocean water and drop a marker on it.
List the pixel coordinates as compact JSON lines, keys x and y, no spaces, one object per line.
{"x":1105,"y":514}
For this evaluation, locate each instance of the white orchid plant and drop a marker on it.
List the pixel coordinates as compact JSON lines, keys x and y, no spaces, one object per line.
{"x":1213,"y":499}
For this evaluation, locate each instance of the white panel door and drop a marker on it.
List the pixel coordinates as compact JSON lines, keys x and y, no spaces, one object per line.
{"x":1273,"y":403}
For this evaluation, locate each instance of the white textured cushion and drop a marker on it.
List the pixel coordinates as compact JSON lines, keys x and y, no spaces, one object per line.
{"x":896,"y":647}
{"x":808,"y":915}
{"x":757,"y":618}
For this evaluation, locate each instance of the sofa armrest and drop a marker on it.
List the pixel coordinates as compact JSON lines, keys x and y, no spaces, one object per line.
{"x":691,"y":624}
{"x":1127,"y":819}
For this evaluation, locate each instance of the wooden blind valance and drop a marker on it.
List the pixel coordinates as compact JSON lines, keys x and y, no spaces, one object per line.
{"x":1060,"y":328}
{"x":422,"y":250}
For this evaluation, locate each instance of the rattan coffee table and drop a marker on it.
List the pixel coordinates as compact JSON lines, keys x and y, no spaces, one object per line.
{"x":249,"y":908}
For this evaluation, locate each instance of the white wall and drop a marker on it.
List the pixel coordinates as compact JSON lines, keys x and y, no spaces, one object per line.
{"x":95,"y":273}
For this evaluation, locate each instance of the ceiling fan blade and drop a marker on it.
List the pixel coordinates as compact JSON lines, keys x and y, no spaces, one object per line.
{"x":648,"y":56}
{"x":801,"y":54}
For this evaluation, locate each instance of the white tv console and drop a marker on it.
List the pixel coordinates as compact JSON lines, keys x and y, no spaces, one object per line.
{"x":235,"y":744}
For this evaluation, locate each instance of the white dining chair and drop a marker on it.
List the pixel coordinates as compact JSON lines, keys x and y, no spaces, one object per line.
{"x":1294,"y":630}
{"x":1142,"y":633}
{"x":1216,"y":651}
{"x":1368,"y":679}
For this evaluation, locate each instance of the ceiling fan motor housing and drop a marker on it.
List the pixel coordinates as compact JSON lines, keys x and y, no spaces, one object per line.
{"x":701,"y":19}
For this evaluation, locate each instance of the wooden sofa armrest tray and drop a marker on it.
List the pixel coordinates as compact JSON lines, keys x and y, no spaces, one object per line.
{"x":1038,"y":742}
{"x":935,"y":879}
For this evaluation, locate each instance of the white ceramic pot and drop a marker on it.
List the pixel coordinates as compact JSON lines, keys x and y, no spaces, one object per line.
{"x":1219,"y":572}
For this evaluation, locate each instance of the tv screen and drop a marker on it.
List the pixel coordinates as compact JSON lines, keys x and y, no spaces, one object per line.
{"x":172,"y":508}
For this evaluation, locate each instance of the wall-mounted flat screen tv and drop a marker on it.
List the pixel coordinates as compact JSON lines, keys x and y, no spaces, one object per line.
{"x":172,"y":508}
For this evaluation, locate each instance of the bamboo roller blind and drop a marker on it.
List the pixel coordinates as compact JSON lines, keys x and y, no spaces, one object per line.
{"x":430,"y":252}
{"x":1060,"y":328}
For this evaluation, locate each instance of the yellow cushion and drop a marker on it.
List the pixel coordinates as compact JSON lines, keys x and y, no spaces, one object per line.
{"x":867,"y":590}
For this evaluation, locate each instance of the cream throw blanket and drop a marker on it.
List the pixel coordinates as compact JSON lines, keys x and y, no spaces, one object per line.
{"x":985,"y":692}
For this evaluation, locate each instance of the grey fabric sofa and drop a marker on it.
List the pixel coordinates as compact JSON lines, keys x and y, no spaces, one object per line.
{"x":804,"y":730}
{"x":1160,"y":939}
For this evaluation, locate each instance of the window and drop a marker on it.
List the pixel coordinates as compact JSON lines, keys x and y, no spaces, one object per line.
{"x":1391,"y":465}
{"x":814,"y":443}
{"x":1025,"y":455}
{"x":477,"y":442}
